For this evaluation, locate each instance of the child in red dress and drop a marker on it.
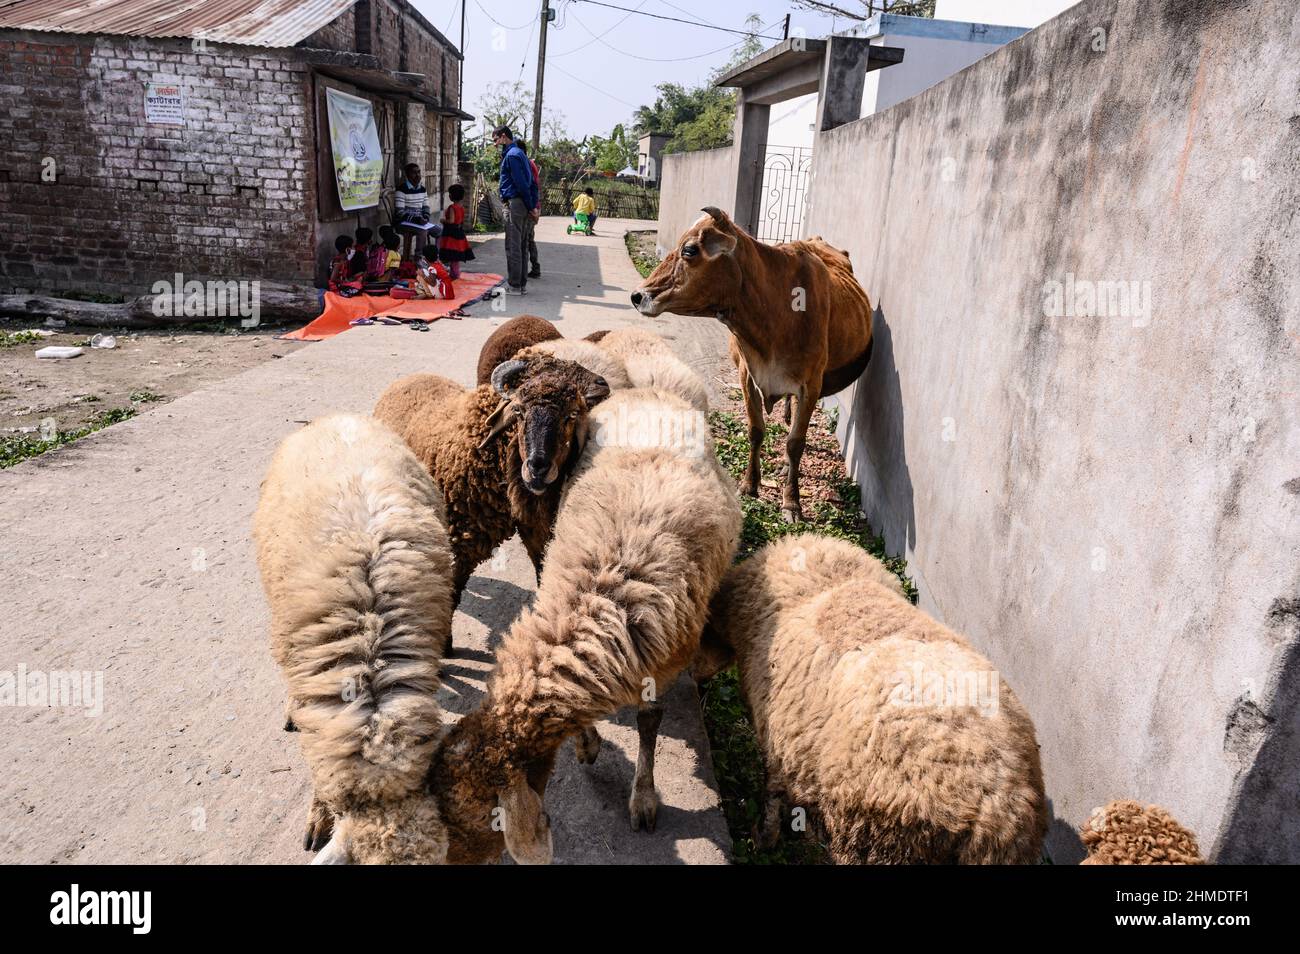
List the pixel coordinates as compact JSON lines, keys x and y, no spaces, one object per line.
{"x":454,"y":247}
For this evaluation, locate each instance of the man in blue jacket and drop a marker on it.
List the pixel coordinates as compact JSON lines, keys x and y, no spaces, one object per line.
{"x":519,"y":194}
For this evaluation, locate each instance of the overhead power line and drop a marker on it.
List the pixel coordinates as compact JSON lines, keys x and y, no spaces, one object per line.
{"x":661,"y":16}
{"x":664,"y":59}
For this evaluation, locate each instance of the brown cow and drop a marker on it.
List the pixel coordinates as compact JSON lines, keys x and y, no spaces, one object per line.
{"x":800,"y":323}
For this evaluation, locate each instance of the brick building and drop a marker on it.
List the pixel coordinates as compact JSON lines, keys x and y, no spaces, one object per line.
{"x":96,"y":195}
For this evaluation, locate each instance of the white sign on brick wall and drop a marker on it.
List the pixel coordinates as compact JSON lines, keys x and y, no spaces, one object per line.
{"x":164,"y":103}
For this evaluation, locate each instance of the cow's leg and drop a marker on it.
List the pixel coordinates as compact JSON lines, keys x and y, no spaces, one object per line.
{"x":794,"y":444}
{"x":643,"y":806}
{"x":757,"y":426}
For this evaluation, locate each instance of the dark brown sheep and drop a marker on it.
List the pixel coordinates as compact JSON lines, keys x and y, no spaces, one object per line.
{"x":493,"y":487}
{"x":508,"y":340}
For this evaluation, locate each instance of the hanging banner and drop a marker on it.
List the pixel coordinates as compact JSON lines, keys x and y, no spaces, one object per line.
{"x":358,"y":158}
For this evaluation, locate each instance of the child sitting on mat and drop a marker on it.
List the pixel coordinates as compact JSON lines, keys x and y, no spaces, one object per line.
{"x":454,"y":247}
{"x":340,"y":262}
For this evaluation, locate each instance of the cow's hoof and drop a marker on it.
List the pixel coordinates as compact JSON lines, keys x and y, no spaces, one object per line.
{"x":791,"y":514}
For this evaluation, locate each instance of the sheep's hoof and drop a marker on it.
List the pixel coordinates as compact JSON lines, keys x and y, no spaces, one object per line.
{"x":586,"y":746}
{"x":320,"y":825}
{"x":288,"y":724}
{"x":643,"y":807}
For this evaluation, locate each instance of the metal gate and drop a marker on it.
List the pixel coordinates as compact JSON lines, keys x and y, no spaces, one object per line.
{"x":780,"y":202}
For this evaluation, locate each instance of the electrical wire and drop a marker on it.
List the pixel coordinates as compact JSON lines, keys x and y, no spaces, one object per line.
{"x":522,"y":26}
{"x":666,"y":59}
{"x":661,"y":16}
{"x":595,"y":38}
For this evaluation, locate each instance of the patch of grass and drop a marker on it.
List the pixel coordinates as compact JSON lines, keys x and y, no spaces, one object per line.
{"x":11,"y":339}
{"x":88,"y":399}
{"x":24,"y":446}
{"x":737,"y":756}
{"x":145,"y":396}
{"x":643,"y":257}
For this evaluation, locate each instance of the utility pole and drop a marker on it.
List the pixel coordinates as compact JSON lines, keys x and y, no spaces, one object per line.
{"x":460,"y":93}
{"x":541,"y":75}
{"x":785,"y":31}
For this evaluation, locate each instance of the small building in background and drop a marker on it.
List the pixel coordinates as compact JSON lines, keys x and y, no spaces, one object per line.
{"x":143,"y":143}
{"x":650,"y":148}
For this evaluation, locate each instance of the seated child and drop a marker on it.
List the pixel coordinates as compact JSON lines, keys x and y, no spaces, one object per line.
{"x":431,"y":279}
{"x":376,"y":261}
{"x":586,"y":203}
{"x":454,"y":247}
{"x":360,"y":253}
{"x":393,"y":258}
{"x":341,"y":261}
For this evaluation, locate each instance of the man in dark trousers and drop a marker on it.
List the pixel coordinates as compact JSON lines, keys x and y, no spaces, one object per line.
{"x":519,"y":194}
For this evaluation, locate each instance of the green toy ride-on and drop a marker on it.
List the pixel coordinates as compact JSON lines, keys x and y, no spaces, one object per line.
{"x":582,"y":225}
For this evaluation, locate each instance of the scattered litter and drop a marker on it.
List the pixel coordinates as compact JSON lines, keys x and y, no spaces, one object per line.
{"x":103,"y":341}
{"x":58,"y":351}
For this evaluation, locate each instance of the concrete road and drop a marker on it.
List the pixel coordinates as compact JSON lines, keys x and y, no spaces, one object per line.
{"x":128,"y":554}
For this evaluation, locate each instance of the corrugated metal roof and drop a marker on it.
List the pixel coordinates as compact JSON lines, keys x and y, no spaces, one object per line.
{"x":273,"y":23}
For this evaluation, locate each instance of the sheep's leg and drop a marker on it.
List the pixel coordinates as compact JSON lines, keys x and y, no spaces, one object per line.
{"x":769,"y":832}
{"x":320,"y":825}
{"x":643,"y":806}
{"x":757,"y":426}
{"x":586,"y":745}
{"x":794,"y":445}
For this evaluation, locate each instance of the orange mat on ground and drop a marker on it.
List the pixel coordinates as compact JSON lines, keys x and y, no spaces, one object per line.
{"x":340,"y":311}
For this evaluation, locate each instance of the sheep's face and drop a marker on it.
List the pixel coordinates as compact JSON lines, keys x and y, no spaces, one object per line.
{"x":547,"y":400}
{"x":714,"y":655}
{"x":700,"y":276}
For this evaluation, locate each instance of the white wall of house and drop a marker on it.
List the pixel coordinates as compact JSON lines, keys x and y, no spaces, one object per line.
{"x":791,"y":123}
{"x":935,"y":49}
{"x":1024,"y":13}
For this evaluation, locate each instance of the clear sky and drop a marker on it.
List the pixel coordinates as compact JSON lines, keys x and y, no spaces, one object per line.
{"x":603,"y":63}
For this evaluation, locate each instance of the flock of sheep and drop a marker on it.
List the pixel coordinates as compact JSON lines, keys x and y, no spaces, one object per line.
{"x":597,"y":454}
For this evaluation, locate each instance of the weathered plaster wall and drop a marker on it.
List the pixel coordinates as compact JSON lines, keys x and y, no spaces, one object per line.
{"x":692,"y":180}
{"x":1106,"y":503}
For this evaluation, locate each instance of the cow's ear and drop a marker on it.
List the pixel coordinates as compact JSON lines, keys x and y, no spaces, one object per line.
{"x":715,"y":242}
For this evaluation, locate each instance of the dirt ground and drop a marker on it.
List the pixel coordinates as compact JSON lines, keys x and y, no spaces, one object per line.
{"x":149,"y":365}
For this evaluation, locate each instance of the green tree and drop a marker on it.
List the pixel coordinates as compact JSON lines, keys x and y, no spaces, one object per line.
{"x":701,"y":117}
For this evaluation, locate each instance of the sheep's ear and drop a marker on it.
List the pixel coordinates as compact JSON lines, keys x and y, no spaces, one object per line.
{"x":597,"y":391}
{"x":527,"y":826}
{"x":505,"y":374}
{"x":498,"y":421}
{"x":716,"y":242}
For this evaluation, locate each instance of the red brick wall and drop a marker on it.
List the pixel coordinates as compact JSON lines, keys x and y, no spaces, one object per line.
{"x":229,"y":195}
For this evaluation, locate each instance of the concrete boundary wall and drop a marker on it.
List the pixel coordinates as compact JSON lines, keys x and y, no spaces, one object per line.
{"x":690,"y":181}
{"x":1079,"y":422}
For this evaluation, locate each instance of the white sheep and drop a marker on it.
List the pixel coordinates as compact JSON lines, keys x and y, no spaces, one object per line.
{"x":651,"y":363}
{"x":357,"y":568}
{"x":888,"y":724}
